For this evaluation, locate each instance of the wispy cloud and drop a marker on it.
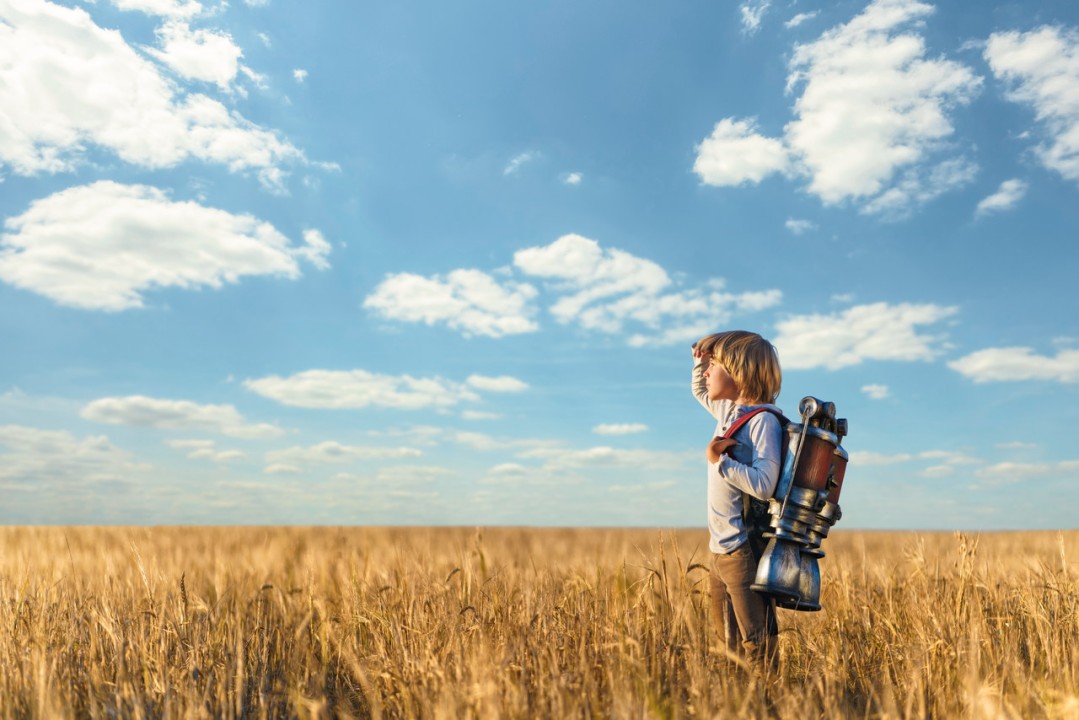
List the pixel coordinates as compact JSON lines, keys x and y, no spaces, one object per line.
{"x":163,"y":243}
{"x":163,"y":8}
{"x":142,"y":411}
{"x":573,"y":178}
{"x":299,"y":75}
{"x":876,"y":392}
{"x":619,"y":428}
{"x":518,"y":161}
{"x":878,"y":331}
{"x":500,"y":384}
{"x":1041,"y":70}
{"x":800,"y":227}
{"x":206,"y":450}
{"x":751,"y":13}
{"x":801,"y":18}
{"x":1005,"y":198}
{"x":352,"y":389}
{"x":55,"y":460}
{"x":1018,"y":363}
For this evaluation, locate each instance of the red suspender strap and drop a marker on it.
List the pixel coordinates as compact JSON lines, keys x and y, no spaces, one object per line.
{"x":737,"y":424}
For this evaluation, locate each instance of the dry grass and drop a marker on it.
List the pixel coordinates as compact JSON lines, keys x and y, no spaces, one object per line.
{"x":449,"y":623}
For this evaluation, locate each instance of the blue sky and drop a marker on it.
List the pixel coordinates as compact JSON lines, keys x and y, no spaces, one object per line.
{"x":442,"y":263}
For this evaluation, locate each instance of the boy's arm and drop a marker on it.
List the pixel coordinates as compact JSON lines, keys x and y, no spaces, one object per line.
{"x":697,"y":385}
{"x":760,"y":478}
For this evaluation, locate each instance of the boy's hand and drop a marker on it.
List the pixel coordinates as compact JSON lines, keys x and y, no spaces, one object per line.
{"x":717,"y":447}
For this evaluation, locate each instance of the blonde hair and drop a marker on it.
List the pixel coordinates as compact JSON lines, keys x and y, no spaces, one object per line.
{"x":752,"y":362}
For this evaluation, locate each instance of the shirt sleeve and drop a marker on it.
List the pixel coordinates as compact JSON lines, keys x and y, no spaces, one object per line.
{"x":759,"y":478}
{"x":700,"y":390}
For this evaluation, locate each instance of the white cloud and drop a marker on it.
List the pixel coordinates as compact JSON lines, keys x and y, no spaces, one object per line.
{"x":735,"y":153}
{"x":164,"y":8}
{"x":918,"y":185}
{"x":502,"y":383}
{"x":800,"y":18}
{"x":573,"y":178}
{"x":353,"y":389}
{"x":299,"y":75}
{"x":943,"y":457}
{"x":335,"y":452}
{"x":876,"y":392}
{"x":480,"y":415}
{"x":1007,"y":472}
{"x":559,"y":459}
{"x":751,"y":13}
{"x":878,"y":331}
{"x":206,"y":450}
{"x":1041,"y":69}
{"x":643,"y":488}
{"x":800,"y":227}
{"x":206,"y":55}
{"x":872,"y":103}
{"x":467,"y":300}
{"x":92,"y":88}
{"x":872,"y":121}
{"x":1005,"y":198}
{"x":100,"y":246}
{"x":517,"y":161}
{"x":1018,"y":363}
{"x":619,"y":428}
{"x":142,"y":411}
{"x":281,"y":469}
{"x":38,"y":459}
{"x":604,"y":289}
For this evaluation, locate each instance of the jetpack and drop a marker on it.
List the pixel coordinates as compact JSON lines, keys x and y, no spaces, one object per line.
{"x":804,"y":507}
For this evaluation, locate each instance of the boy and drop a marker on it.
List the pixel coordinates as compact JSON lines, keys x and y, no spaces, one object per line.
{"x":733,"y":372}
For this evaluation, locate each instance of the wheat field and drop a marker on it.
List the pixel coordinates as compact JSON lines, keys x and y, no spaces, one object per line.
{"x":489,"y":623}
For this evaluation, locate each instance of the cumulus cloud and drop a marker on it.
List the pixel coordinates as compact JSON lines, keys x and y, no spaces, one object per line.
{"x":37,"y":458}
{"x":132,"y":110}
{"x":559,"y":459}
{"x":1041,"y":70}
{"x":942,"y":463}
{"x":735,"y":153}
{"x":101,"y":246}
{"x":299,"y":75}
{"x":1018,"y":363}
{"x":1005,"y":198}
{"x":871,"y":123}
{"x":751,"y":13}
{"x":142,"y":411}
{"x":207,"y":55}
{"x":876,"y":392}
{"x":878,"y":331}
{"x":604,"y":289}
{"x":573,"y":178}
{"x":619,"y":428}
{"x":353,"y":389}
{"x":467,"y":300}
{"x":872,"y":103}
{"x":502,"y":383}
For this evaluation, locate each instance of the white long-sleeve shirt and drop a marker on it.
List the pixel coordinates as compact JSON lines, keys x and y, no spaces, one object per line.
{"x":751,"y":467}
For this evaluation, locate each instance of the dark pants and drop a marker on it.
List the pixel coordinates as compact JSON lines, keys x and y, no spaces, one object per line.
{"x":748,"y":617}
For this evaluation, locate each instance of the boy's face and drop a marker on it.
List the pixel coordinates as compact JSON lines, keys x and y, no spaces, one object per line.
{"x":720,"y":384}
